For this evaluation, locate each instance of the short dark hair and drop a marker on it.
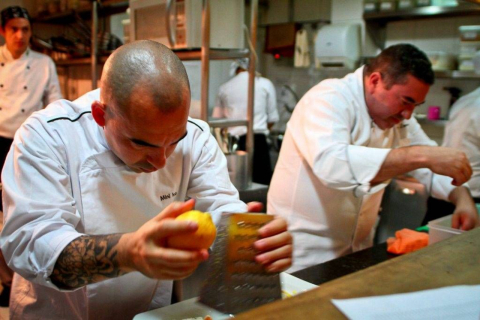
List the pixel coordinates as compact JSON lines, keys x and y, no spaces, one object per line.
{"x":14,"y":12}
{"x":398,"y":61}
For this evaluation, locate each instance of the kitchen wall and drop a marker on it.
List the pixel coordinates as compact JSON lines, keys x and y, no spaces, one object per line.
{"x":429,"y":35}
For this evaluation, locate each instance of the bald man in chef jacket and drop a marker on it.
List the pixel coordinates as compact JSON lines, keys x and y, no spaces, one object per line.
{"x":110,"y":171}
{"x":28,"y":81}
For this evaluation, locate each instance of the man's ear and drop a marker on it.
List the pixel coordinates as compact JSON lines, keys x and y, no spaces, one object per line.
{"x":98,"y":113}
{"x":374,"y":80}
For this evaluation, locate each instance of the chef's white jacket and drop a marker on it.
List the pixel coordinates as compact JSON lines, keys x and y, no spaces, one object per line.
{"x":330,"y":153}
{"x":27,"y":84}
{"x":232,"y":101}
{"x":61,"y":181}
{"x":463,"y":132}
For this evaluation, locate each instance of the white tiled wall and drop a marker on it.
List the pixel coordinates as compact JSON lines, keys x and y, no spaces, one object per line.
{"x":429,"y":35}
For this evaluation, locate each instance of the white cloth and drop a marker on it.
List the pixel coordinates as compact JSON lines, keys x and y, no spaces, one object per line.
{"x":67,"y":182}
{"x":27,"y":84}
{"x":331,"y":152}
{"x":302,"y":50}
{"x":462,"y":132}
{"x":232,"y":101}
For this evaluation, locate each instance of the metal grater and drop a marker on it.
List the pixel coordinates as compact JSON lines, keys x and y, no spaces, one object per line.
{"x":235,"y":282}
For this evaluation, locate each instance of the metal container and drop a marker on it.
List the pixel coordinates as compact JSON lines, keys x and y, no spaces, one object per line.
{"x":237,"y":169}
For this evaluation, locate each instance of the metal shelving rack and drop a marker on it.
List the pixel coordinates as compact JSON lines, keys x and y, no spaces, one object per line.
{"x":205,"y":54}
{"x":99,"y":9}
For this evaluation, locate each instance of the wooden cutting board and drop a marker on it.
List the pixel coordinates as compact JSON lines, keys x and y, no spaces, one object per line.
{"x":455,"y":261}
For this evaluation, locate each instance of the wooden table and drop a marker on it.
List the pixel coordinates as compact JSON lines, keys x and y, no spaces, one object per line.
{"x":454,"y":261}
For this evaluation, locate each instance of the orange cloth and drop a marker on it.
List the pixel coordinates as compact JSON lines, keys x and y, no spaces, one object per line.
{"x":406,"y":241}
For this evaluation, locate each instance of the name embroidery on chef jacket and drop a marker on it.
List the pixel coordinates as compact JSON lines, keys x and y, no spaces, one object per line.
{"x":168,"y":196}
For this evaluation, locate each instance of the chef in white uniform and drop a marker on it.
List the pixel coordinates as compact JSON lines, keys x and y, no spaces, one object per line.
{"x":346,"y":139}
{"x":232,"y":102}
{"x":90,"y":193}
{"x":28,"y":81}
{"x":462,"y":132}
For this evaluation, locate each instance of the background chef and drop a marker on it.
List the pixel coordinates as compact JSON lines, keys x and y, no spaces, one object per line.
{"x":231,"y":103}
{"x":28,"y":82}
{"x":346,"y":139}
{"x":87,"y":236}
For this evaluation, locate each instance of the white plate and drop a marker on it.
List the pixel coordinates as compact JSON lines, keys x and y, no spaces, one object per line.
{"x":192,"y":309}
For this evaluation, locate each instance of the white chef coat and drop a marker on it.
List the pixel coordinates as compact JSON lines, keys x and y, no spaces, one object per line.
{"x":232,"y":101}
{"x":330,"y":153}
{"x":463,"y":132}
{"x":27,"y":84}
{"x":67,"y":182}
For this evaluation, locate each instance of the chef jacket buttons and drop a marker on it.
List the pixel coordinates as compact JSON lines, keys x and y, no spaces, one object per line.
{"x":25,"y":87}
{"x":28,"y":67}
{"x":2,"y":64}
{"x":23,"y":110}
{"x":1,"y":85}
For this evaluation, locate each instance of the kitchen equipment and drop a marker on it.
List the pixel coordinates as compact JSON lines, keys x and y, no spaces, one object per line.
{"x":387,"y":5}
{"x":191,"y":308}
{"x":441,"y":229}
{"x":404,"y":205}
{"x":433,"y":113}
{"x":338,"y":46}
{"x":236,"y":282}
{"x":442,"y":61}
{"x":476,"y":62}
{"x":178,"y":23}
{"x":280,"y":39}
{"x":237,"y":169}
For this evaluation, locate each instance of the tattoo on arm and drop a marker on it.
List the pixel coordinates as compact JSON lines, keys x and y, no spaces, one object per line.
{"x":86,"y":260}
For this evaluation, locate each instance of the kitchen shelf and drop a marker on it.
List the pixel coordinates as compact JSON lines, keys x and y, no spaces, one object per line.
{"x":215,"y":54}
{"x":79,"y":61}
{"x":227,"y":123}
{"x":455,"y":74}
{"x":462,"y":9}
{"x":377,"y":21}
{"x":106,"y":9}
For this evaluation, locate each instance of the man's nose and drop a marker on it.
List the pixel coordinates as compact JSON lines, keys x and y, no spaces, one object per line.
{"x":20,"y":34}
{"x":407,"y":113}
{"x":158,"y":158}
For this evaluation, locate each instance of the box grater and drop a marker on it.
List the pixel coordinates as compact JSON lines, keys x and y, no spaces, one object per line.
{"x":235,"y":281}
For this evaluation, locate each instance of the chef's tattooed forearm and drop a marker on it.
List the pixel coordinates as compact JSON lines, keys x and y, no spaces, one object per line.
{"x":87,"y":259}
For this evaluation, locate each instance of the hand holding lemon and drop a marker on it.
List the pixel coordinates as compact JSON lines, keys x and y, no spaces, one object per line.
{"x":202,"y":238}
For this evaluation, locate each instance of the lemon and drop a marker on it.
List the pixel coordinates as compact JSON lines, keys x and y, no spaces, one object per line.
{"x":200,"y":239}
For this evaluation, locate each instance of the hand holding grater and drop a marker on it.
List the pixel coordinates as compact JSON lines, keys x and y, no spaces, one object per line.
{"x":235,"y":281}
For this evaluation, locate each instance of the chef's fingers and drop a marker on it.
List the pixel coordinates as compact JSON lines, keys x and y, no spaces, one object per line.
{"x":175,"y":258}
{"x":174,"y":274}
{"x":279,"y":265}
{"x":464,"y":174}
{"x":175,"y":209}
{"x":169,"y":227}
{"x":254,"y":206}
{"x":270,"y":257}
{"x":271,"y":243}
{"x":276,"y":226}
{"x":466,"y":222}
